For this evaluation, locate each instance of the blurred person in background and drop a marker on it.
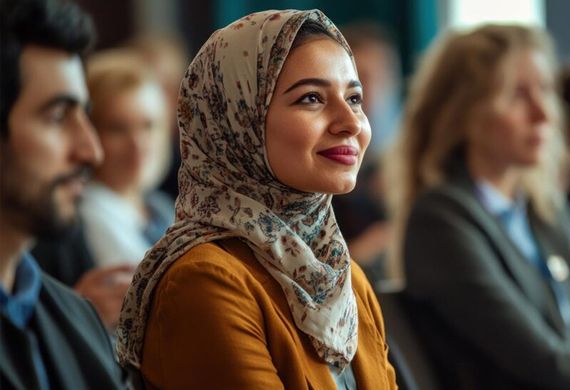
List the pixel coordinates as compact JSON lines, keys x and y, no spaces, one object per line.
{"x":361,"y":213}
{"x":167,"y":55}
{"x":565,"y":93}
{"x":122,"y":212}
{"x":49,"y":336}
{"x":379,"y":67}
{"x":480,"y":219}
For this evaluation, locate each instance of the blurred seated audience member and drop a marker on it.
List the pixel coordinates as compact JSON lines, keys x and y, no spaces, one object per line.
{"x":565,"y":93}
{"x":122,"y":212}
{"x":479,"y":213}
{"x":50,"y":338}
{"x":168,"y":56}
{"x":361,"y":213}
{"x":379,"y":67}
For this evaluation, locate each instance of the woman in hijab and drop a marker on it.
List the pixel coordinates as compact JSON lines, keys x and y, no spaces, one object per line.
{"x":480,"y":216}
{"x":253,"y":286}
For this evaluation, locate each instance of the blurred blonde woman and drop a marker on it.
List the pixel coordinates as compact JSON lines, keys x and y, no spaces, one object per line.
{"x":483,"y":239}
{"x":122,"y":212}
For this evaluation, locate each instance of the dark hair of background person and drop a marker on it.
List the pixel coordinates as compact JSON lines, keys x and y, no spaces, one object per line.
{"x":39,"y":22}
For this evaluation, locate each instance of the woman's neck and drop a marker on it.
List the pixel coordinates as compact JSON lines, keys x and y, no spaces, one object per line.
{"x":505,"y":179}
{"x":133,"y":196}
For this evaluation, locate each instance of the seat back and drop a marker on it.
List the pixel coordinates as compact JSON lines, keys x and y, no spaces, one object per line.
{"x":407,"y":351}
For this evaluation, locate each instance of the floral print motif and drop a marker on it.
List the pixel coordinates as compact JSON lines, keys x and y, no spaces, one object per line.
{"x":227,"y":189}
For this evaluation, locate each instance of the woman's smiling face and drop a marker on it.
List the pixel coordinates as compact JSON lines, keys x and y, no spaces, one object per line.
{"x":316,"y":132}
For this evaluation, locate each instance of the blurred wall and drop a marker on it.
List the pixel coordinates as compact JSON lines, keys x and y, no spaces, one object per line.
{"x":413,"y":23}
{"x":558,"y":24}
{"x":115,"y":20}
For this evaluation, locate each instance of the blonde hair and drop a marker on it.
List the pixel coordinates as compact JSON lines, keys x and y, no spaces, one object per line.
{"x":456,"y":82}
{"x":112,"y":72}
{"x":116,"y":71}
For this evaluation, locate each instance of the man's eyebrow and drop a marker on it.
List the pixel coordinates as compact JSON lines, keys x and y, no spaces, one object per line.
{"x":320,"y":83}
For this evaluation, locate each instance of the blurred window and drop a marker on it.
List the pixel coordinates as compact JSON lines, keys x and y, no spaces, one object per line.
{"x":468,"y":13}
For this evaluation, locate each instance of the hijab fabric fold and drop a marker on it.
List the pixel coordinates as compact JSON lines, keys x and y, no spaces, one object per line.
{"x":227,"y":189}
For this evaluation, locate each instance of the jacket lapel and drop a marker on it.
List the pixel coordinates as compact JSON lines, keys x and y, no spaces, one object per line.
{"x":316,"y":372}
{"x":554,"y":242}
{"x":16,"y":361}
{"x":530,"y":281}
{"x":59,"y":357}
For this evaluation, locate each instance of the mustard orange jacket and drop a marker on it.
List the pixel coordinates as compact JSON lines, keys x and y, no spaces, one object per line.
{"x":220,"y":321}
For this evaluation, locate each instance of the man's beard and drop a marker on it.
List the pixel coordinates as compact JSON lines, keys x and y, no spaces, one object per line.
{"x":36,"y":212}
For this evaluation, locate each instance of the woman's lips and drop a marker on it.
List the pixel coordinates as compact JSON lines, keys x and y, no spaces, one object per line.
{"x":346,"y":155}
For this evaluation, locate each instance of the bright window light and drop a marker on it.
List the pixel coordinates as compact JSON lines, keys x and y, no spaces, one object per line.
{"x":469,"y":13}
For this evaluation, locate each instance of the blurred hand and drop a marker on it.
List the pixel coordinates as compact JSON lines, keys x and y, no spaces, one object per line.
{"x":372,"y":242}
{"x":105,"y":288}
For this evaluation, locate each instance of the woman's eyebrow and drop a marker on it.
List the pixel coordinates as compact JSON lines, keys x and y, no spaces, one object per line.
{"x":320,"y":83}
{"x":310,"y":81}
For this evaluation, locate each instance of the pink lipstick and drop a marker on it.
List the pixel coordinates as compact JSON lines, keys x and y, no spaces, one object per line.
{"x":344,"y":154}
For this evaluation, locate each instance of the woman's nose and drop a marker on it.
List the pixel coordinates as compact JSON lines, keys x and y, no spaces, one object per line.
{"x":346,"y":119}
{"x":538,"y":111}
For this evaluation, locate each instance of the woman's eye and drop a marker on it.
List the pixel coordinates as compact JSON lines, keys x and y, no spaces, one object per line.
{"x":56,"y":115}
{"x":355,"y":99}
{"x":310,"y":98}
{"x":546,"y":87}
{"x":148,"y":126}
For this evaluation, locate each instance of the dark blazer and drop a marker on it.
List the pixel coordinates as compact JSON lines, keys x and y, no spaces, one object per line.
{"x":75,"y":347}
{"x":65,"y":259}
{"x":489,"y":317}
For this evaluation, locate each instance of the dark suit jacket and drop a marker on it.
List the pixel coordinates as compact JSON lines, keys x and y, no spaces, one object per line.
{"x":65,"y":259}
{"x":74,"y":345}
{"x":489,"y":317}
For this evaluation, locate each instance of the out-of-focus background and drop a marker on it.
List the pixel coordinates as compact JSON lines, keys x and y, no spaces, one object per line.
{"x":413,"y":23}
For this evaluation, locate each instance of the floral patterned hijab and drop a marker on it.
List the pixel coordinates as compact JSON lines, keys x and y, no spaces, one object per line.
{"x":227,"y":189}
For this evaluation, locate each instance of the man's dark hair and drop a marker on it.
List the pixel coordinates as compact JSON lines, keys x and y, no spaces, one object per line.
{"x":56,"y":24}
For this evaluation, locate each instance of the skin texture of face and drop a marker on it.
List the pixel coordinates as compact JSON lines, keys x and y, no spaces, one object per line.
{"x":131,"y":127}
{"x":514,"y":133}
{"x":51,"y":144}
{"x":316,"y":130}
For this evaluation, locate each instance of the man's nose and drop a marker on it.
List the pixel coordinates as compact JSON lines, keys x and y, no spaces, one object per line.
{"x":87,"y":146}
